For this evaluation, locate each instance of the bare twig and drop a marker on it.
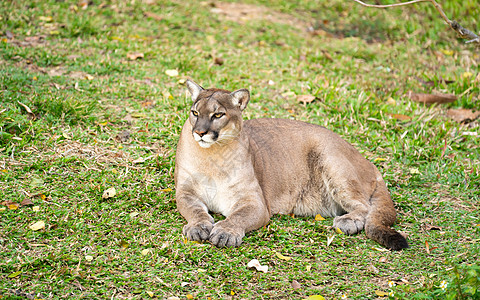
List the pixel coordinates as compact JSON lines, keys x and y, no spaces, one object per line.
{"x":462,"y":32}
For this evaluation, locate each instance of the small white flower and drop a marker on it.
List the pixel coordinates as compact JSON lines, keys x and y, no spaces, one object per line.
{"x":443,"y":285}
{"x":391,"y":294}
{"x":344,"y":296}
{"x":391,"y":283}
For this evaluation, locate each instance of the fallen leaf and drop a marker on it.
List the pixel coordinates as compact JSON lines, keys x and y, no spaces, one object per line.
{"x":391,"y":101}
{"x":37,"y":225}
{"x":26,"y":202}
{"x":382,"y":259}
{"x":45,"y":19}
{"x":151,"y":294}
{"x":66,"y":136}
{"x":338,"y":230}
{"x":315,"y":297}
{"x":432,"y":98}
{"x":381,"y":293}
{"x":254,"y":263}
{"x":138,"y":115}
{"x":305,"y":98}
{"x":134,"y":214}
{"x":13,"y":206}
{"x":427,"y":247}
{"x":123,"y":244}
{"x":189,"y":296}
{"x":145,"y":252}
{"x":463,"y":115}
{"x":219,"y":61}
{"x":26,"y":108}
{"x":36,"y":182}
{"x":153,"y":16}
{"x":88,"y":257}
{"x":171,"y":73}
{"x":400,"y":117}
{"x":14,"y":274}
{"x":9,"y":34}
{"x":319,"y":218}
{"x":36,"y":208}
{"x":380,"y":249}
{"x":109,"y":193}
{"x":295,"y":284}
{"x":3,"y":208}
{"x":281,"y":256}
{"x":432,"y":227}
{"x":413,"y":171}
{"x":134,"y":55}
{"x":330,"y":240}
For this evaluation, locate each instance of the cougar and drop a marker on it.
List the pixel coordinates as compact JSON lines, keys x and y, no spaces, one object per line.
{"x":250,"y":170}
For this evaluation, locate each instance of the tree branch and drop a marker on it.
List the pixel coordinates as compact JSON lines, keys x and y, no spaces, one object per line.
{"x":462,"y":32}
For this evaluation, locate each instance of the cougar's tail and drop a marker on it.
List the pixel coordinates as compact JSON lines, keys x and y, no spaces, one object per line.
{"x":381,"y":217}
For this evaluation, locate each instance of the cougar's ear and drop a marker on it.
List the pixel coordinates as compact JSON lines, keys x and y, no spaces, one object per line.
{"x":240,"y":98}
{"x":194,"y":89}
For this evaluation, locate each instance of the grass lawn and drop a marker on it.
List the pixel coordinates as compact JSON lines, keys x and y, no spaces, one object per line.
{"x":92,"y":97}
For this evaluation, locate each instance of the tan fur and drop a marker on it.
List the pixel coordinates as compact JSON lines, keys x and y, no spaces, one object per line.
{"x":249,"y":171}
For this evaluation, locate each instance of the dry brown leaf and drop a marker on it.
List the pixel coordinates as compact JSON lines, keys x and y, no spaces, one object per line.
{"x":305,"y":99}
{"x":432,"y":98}
{"x":400,"y":117}
{"x":463,"y":115}
{"x":153,"y":16}
{"x":295,"y":284}
{"x":218,"y":61}
{"x":432,"y":227}
{"x":26,"y":202}
{"x":135,"y":55}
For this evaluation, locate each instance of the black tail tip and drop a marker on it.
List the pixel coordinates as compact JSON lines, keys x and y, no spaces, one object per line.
{"x":396,"y":242}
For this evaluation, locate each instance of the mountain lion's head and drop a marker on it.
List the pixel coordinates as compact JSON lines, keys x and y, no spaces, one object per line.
{"x":216,"y":115}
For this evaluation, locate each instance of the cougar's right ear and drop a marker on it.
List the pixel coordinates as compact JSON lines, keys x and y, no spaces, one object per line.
{"x":194,"y":89}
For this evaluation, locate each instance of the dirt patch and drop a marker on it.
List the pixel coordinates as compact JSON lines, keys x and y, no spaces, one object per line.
{"x":242,"y":13}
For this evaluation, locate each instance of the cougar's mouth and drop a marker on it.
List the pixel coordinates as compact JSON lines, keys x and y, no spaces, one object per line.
{"x":204,"y":141}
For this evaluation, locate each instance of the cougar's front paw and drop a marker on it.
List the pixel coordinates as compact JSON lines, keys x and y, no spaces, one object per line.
{"x":226,"y":235}
{"x":199,"y":231}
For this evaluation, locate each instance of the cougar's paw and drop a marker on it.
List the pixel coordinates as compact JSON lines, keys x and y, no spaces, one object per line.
{"x":223,"y":235}
{"x":349,"y":224}
{"x":199,"y":231}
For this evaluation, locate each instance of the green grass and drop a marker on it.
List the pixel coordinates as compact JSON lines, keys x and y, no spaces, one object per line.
{"x":69,"y":66}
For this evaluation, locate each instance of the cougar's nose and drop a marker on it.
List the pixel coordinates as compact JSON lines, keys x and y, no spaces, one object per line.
{"x":200,"y":133}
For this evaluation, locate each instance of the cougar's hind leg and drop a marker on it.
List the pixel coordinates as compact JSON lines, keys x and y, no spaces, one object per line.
{"x":354,"y":220}
{"x":353,"y":198}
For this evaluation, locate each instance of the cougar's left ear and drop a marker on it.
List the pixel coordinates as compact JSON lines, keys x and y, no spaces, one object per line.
{"x":194,"y":89}
{"x":240,"y":98}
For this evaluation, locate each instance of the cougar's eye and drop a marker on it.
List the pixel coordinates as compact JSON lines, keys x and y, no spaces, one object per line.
{"x":195,"y":113}
{"x":218,"y":115}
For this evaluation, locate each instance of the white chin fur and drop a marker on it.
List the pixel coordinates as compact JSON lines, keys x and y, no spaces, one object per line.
{"x":204,"y":144}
